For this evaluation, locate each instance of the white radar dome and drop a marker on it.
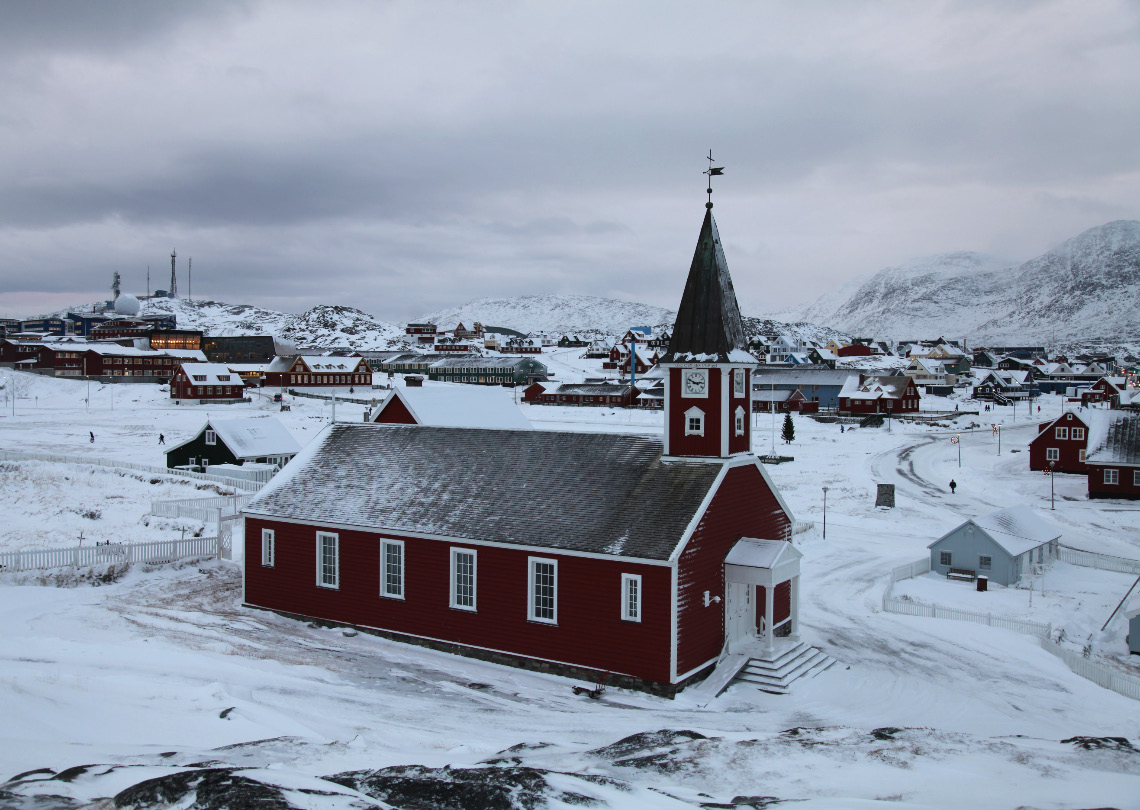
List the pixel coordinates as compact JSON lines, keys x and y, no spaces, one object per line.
{"x":127,"y":304}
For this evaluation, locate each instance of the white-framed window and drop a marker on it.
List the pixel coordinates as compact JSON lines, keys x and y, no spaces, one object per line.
{"x":738,"y":389}
{"x":211,"y":437}
{"x":542,"y":590}
{"x":1078,"y":434}
{"x":328,"y":560}
{"x":463,"y":576}
{"x":631,"y":597}
{"x":392,"y":569}
{"x":1136,"y":478}
{"x":192,"y":461}
{"x":268,"y":550}
{"x":694,"y":422}
{"x":1112,"y":476}
{"x":739,"y":421}
{"x":1062,"y":433}
{"x":1052,"y":454}
{"x":944,"y":558}
{"x":984,"y":562}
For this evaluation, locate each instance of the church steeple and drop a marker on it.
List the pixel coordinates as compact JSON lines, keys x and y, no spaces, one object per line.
{"x":708,"y":386}
{"x":708,"y":324}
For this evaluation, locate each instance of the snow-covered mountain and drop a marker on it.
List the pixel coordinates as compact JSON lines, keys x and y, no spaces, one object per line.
{"x":1087,"y":289}
{"x":563,"y":314}
{"x":321,"y":326}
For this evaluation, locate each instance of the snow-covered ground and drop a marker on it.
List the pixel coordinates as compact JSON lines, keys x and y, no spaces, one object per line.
{"x":164,"y":669}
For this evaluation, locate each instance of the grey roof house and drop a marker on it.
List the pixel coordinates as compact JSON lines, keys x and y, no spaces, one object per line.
{"x":1001,"y":545}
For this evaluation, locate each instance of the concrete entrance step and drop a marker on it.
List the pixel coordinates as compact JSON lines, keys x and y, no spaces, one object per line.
{"x":776,"y":675}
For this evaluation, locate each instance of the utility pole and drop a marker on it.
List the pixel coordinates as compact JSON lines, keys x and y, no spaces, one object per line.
{"x":190,"y":277}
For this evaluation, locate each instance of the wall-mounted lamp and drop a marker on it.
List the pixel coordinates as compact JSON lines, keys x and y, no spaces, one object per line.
{"x":710,"y":599}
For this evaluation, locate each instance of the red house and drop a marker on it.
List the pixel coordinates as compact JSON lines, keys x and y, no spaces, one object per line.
{"x":1106,"y":389}
{"x":569,"y":573}
{"x":1062,"y":442}
{"x":206,"y":382}
{"x":1113,"y":458}
{"x":878,"y":394}
{"x":310,"y":371}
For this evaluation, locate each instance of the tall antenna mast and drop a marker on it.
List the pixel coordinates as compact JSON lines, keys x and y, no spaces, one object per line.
{"x":173,"y":275}
{"x":190,"y":277}
{"x":148,"y":281}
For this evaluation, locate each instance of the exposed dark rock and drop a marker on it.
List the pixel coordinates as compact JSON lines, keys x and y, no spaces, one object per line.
{"x":646,"y":741}
{"x":885,"y":733}
{"x":415,"y":787}
{"x":1112,"y":743}
{"x":14,"y":801}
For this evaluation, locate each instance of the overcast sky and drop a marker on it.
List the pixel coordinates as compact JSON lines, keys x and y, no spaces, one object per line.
{"x":401,"y":157}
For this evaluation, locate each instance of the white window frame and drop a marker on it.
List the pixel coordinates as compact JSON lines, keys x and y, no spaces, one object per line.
{"x":1061,"y":433}
{"x":1136,"y":478}
{"x":739,"y":421}
{"x":532,"y":590}
{"x":697,"y":414}
{"x":1052,"y":454}
{"x":631,"y":597}
{"x":1111,"y":476}
{"x":385,"y":588}
{"x":211,"y":437}
{"x":454,"y":587}
{"x":268,"y":548}
{"x":1077,"y":434}
{"x":323,"y":580}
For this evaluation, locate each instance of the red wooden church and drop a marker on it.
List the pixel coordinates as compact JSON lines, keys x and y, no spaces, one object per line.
{"x":612,"y":554}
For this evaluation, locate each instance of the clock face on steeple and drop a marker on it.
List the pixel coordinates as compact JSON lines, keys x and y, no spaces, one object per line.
{"x":694,"y":382}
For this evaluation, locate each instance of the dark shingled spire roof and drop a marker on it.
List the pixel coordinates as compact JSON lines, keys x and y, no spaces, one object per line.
{"x":708,"y":326}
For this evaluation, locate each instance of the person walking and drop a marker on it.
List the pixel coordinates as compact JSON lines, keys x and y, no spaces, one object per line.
{"x":953,"y":486}
{"x":161,"y":439}
{"x":92,"y":436}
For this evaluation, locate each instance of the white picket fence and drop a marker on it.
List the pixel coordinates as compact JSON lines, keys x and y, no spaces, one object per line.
{"x":1104,"y":562}
{"x":207,"y":510}
{"x":1099,"y":674}
{"x":157,"y":551}
{"x":237,"y":483}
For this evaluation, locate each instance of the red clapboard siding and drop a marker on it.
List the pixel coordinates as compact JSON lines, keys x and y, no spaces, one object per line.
{"x":589,"y":633}
{"x":743,"y":506}
{"x":395,"y":413}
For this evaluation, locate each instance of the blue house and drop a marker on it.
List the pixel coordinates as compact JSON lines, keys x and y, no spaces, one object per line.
{"x":817,"y":384}
{"x":1003,"y":545}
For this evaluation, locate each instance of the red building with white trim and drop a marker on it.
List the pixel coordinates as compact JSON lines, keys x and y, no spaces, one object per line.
{"x":867,"y":394}
{"x":1064,"y":442}
{"x":621,"y":554}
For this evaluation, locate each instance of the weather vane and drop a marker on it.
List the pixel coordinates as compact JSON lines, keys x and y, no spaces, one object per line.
{"x":712,"y":172}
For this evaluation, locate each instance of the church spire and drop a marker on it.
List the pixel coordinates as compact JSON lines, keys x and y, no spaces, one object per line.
{"x":708,"y":327}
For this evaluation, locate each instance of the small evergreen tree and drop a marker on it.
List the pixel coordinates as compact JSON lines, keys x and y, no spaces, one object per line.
{"x":789,"y":431}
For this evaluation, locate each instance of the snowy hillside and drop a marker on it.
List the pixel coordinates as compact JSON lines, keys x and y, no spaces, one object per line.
{"x":561,"y":314}
{"x":1086,"y":290}
{"x":323,"y":326}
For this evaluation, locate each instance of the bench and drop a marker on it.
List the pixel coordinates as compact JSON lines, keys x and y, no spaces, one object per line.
{"x":962,"y":573}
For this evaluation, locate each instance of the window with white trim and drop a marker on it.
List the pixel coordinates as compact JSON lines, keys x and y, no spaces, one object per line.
{"x":268,"y":551}
{"x":463,"y":564}
{"x":328,"y":560}
{"x":1136,"y":478}
{"x":1052,"y":454}
{"x":694,"y":422}
{"x":542,"y":590}
{"x":1112,"y":476}
{"x":1062,"y":433}
{"x":1078,"y":434}
{"x":211,"y":437}
{"x":631,"y":597}
{"x":985,"y":562}
{"x":392,"y":569}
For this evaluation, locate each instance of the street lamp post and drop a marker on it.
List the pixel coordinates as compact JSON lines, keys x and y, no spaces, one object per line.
{"x":890,"y":406}
{"x":825,"y":513}
{"x":1049,"y":472}
{"x":958,"y":441}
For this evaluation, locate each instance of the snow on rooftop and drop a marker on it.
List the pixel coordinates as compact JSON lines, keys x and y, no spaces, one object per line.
{"x":458,"y":405}
{"x":1018,"y":528}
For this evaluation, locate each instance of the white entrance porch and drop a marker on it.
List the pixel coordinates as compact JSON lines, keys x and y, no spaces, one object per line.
{"x":765,"y":563}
